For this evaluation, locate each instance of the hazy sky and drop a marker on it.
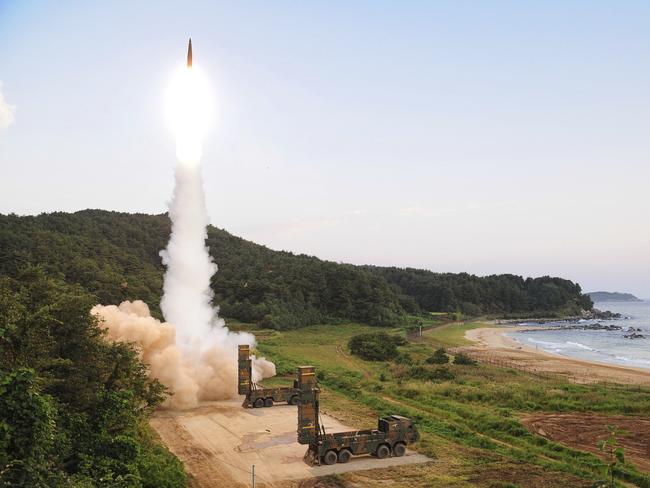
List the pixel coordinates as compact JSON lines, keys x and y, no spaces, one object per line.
{"x":482,"y":136}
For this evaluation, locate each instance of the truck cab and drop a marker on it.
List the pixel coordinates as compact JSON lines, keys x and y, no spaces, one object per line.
{"x":398,"y":428}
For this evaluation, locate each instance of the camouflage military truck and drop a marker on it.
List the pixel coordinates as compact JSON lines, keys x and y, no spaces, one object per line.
{"x":256,"y":396}
{"x":391,"y":437}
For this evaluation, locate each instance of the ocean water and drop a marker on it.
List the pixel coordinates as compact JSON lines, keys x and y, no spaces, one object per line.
{"x":606,"y":346}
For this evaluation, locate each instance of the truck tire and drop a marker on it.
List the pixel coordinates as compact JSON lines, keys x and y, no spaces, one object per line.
{"x":330,"y":457}
{"x":383,"y":451}
{"x":259,"y":403}
{"x":294,"y":400}
{"x":344,"y":455}
{"x":399,"y":449}
{"x":268,"y":402}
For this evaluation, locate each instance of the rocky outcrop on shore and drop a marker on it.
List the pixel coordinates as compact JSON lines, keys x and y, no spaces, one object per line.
{"x":630,"y":332}
{"x":595,"y":314}
{"x":633,"y":333}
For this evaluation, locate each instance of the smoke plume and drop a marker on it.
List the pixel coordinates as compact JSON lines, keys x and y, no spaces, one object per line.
{"x":212,"y":375}
{"x":193,"y":353}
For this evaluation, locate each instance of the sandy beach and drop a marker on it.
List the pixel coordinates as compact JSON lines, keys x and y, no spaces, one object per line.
{"x":493,"y":341}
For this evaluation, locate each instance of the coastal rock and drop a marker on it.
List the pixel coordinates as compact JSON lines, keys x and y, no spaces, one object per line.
{"x":634,"y":335}
{"x":596,"y":314}
{"x":596,"y":326}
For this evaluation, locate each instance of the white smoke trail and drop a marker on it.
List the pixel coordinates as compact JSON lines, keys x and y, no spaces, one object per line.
{"x":193,"y":353}
{"x":187,"y":298}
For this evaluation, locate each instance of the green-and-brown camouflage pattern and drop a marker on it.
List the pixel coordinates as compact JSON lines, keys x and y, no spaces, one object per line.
{"x":308,"y":425}
{"x":244,"y":370}
{"x":281,"y":394}
{"x":390,"y":430}
{"x":247,"y":387}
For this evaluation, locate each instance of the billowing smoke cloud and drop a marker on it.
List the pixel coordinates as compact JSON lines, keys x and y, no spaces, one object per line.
{"x":6,"y":111}
{"x":212,"y":375}
{"x":193,"y":353}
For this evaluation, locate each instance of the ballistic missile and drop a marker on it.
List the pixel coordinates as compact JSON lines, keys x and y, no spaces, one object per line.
{"x":189,"y":54}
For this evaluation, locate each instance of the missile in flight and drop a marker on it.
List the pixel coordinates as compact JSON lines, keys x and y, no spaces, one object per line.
{"x":189,"y":54}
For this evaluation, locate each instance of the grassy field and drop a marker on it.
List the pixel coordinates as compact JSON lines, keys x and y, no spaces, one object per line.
{"x":469,"y":422}
{"x":452,"y":334}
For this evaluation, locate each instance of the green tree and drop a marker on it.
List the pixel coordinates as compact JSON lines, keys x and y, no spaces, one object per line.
{"x":27,"y":430}
{"x":73,"y":406}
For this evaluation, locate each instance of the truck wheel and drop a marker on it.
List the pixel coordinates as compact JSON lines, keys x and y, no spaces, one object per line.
{"x":383,"y":451}
{"x":399,"y":449}
{"x":330,"y":457}
{"x":294,"y":400}
{"x":259,"y":403}
{"x":268,"y":402}
{"x":344,"y":455}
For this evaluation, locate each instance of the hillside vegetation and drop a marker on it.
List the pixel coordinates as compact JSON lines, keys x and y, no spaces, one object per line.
{"x":73,"y":407}
{"x":504,"y":295}
{"x":114,"y":256}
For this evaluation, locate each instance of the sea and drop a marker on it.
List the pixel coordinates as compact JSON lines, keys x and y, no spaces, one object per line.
{"x":606,"y":346}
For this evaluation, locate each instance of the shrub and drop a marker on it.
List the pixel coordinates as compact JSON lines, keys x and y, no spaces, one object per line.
{"x":404,"y":358}
{"x":438,"y":357}
{"x":442,"y":374}
{"x":427,"y":374}
{"x":377,"y":346}
{"x":462,"y":358}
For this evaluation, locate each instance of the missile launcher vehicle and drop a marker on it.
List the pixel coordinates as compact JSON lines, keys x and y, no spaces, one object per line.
{"x":392,"y":435}
{"x":257,"y":396}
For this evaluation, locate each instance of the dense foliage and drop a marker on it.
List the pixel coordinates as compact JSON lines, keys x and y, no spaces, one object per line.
{"x":73,"y":407}
{"x":378,"y":346}
{"x":115,"y":257}
{"x":438,"y":357}
{"x":503,"y":295}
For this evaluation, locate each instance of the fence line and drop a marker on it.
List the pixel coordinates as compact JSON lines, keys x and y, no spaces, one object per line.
{"x":485,"y":357}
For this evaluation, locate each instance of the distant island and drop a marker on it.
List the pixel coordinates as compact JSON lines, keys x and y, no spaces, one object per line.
{"x":609,"y":296}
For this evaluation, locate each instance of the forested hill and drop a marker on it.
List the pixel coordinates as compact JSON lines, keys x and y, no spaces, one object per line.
{"x":612,"y":296}
{"x":504,"y":295}
{"x":115,"y":256}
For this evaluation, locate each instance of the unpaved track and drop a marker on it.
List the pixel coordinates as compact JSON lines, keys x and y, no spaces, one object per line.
{"x":218,"y":443}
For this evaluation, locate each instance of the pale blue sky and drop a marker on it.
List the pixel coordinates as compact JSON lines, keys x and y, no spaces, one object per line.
{"x":485,"y":137}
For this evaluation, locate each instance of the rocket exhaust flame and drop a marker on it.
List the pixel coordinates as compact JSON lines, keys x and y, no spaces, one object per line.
{"x":193,"y":353}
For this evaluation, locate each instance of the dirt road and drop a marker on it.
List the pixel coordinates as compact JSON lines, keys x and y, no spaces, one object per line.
{"x":219,"y":442}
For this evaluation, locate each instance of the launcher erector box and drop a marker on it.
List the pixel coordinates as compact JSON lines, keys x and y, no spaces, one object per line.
{"x":257,"y":396}
{"x":390,"y":438}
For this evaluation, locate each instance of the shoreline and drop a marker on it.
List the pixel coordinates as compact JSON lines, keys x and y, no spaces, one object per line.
{"x":492,"y":340}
